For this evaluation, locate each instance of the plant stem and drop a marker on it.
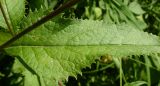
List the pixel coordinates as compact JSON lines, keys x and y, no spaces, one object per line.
{"x":120,"y":72}
{"x":6,"y":20}
{"x":148,"y":70}
{"x":101,"y":69}
{"x":144,"y":64}
{"x":39,"y":22}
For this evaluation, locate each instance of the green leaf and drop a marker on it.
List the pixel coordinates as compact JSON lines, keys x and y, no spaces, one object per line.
{"x":14,"y":11}
{"x":61,"y":48}
{"x":136,"y":8}
{"x":4,"y":37}
{"x":136,"y":83}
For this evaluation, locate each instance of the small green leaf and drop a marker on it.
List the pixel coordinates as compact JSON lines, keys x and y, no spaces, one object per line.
{"x":136,"y":83}
{"x":136,"y":8}
{"x":14,"y":11}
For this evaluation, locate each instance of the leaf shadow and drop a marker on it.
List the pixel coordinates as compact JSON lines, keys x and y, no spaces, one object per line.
{"x":29,"y":69}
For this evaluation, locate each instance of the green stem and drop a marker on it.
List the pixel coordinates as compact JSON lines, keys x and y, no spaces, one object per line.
{"x":39,"y":22}
{"x":120,"y":72}
{"x":6,"y":20}
{"x":148,"y":70}
{"x":144,"y":64}
{"x":101,"y":69}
